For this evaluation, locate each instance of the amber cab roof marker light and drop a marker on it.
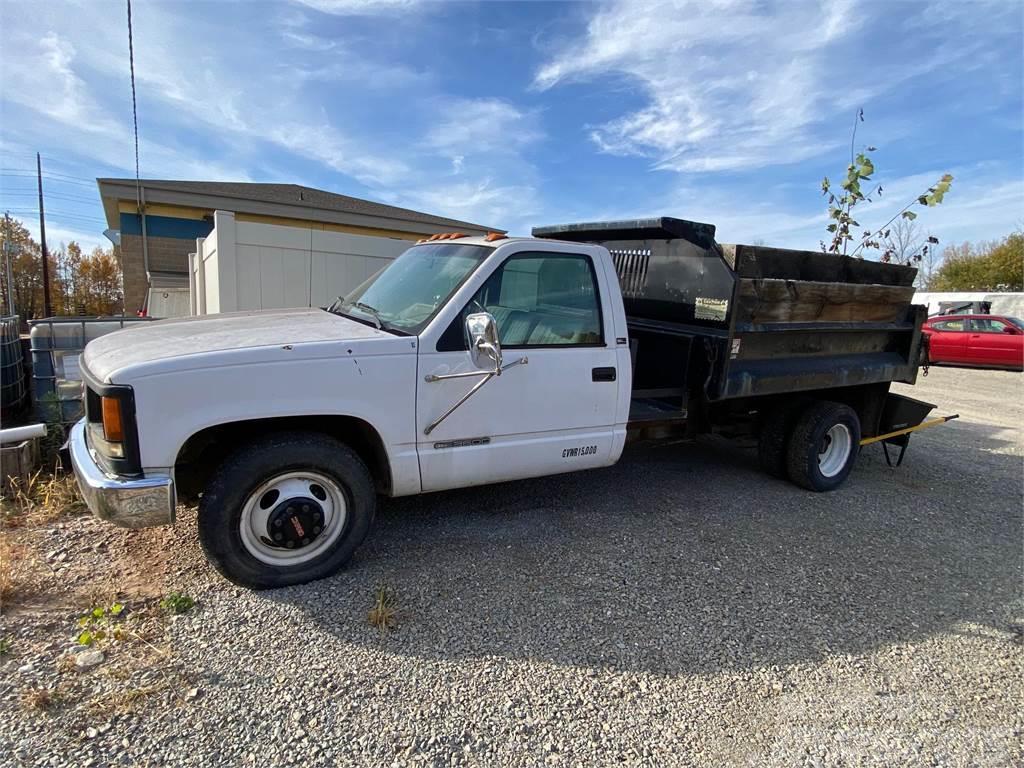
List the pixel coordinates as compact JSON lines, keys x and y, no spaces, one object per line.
{"x":492,"y":236}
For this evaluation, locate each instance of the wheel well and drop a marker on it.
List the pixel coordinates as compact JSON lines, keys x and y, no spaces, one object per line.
{"x":204,"y":451}
{"x":867,"y":400}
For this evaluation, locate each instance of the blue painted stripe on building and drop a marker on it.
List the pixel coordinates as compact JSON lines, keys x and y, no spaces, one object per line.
{"x":165,"y":226}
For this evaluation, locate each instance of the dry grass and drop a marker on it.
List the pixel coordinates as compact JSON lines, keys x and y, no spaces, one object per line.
{"x":42,"y":499}
{"x":122,"y":701}
{"x":39,"y":501}
{"x":13,"y":568}
{"x":40,"y":699}
{"x":384,"y":613}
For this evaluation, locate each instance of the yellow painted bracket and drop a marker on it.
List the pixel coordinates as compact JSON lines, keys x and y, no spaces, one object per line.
{"x":908,"y":430}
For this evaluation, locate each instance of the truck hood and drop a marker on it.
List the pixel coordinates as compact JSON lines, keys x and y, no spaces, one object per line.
{"x":228,"y":333}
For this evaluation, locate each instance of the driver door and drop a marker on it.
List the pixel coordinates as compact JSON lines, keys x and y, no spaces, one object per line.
{"x":553,"y":407}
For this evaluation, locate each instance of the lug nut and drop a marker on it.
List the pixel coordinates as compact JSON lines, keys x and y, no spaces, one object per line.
{"x":305,"y":507}
{"x":316,"y":529}
{"x":290,"y":545}
{"x":277,"y":523}
{"x":278,"y":536}
{"x":305,"y":542}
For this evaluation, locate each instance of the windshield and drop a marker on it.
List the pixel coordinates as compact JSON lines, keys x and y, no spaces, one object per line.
{"x":1017,"y":321}
{"x":405,"y":295}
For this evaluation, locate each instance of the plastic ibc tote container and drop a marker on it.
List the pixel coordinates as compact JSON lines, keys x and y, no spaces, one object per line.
{"x":12,"y":369}
{"x":56,"y":344}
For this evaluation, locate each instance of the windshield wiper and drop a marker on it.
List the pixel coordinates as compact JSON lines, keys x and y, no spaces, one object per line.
{"x":372,"y":312}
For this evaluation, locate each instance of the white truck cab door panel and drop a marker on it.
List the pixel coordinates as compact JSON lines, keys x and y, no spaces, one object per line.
{"x":555,"y":411}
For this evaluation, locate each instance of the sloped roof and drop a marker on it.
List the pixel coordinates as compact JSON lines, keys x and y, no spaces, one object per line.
{"x":288,"y":195}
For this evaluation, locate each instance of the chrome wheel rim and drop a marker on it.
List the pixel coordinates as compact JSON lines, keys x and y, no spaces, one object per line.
{"x":309,"y":494}
{"x":834,"y":450}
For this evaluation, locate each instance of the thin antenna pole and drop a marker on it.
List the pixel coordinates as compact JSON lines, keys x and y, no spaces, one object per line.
{"x":47,"y":309}
{"x":135,"y":113}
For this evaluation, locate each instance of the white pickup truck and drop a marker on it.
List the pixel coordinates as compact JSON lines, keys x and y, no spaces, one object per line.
{"x":473,"y":360}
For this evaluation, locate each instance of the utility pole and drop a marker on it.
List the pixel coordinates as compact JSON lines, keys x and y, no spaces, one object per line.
{"x":8,"y":253}
{"x":47,"y":309}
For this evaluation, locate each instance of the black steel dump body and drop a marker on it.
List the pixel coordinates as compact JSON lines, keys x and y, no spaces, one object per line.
{"x":717,"y":323}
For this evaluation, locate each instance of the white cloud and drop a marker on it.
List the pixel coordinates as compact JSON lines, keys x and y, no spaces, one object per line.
{"x":322,"y":143}
{"x":43,"y":78}
{"x":358,"y":7}
{"x":58,"y":234}
{"x":981,"y":205}
{"x":482,"y":126}
{"x":484,"y":202}
{"x":732,"y":85}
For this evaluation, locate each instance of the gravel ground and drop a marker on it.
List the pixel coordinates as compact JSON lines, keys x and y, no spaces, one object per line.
{"x":677,"y":609}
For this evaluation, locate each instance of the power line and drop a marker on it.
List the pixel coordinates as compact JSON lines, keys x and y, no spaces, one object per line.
{"x":58,"y":214}
{"x":48,"y":176}
{"x":57,"y":195}
{"x":52,"y":173}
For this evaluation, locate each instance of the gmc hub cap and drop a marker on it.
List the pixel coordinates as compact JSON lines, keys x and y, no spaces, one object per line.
{"x":293,"y":517}
{"x":294,"y":523}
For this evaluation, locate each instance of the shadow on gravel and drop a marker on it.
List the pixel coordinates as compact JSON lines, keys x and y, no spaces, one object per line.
{"x":685,"y":559}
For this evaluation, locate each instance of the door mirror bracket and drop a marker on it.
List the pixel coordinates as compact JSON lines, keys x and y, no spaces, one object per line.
{"x":485,"y":349}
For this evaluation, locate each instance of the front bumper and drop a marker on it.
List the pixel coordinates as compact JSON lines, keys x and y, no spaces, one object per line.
{"x":128,"y":502}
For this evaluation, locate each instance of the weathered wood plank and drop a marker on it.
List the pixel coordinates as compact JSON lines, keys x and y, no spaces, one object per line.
{"x":775,"y":301}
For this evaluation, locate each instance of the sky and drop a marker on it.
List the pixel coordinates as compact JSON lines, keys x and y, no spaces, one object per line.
{"x":515,"y":115}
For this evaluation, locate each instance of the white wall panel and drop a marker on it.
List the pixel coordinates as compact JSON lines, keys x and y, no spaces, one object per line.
{"x":273,"y":266}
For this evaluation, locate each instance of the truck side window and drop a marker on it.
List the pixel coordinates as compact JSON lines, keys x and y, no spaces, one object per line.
{"x":541,"y":300}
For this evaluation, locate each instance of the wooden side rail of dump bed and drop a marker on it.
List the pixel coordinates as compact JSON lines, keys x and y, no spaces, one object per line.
{"x":802,"y":320}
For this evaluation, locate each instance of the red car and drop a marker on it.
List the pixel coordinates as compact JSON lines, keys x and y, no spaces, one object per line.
{"x":977,"y":340}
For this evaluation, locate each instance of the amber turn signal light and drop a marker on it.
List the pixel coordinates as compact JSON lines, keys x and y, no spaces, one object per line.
{"x":113,"y":431}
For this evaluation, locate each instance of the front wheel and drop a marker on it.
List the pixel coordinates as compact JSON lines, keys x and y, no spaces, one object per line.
{"x":823,"y":446}
{"x":286,"y":509}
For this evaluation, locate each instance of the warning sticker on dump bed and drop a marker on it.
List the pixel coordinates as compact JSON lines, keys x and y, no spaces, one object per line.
{"x":710,"y":309}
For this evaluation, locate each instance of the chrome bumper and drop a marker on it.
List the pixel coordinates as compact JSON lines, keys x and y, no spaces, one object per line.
{"x":128,"y":502}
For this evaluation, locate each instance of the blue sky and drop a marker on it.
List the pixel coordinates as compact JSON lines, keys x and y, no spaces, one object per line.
{"x":519,"y":114}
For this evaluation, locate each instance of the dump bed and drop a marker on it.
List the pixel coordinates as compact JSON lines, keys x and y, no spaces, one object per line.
{"x":735,"y":321}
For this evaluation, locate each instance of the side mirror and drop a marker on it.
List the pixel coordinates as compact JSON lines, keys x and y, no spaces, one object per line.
{"x":482,"y":332}
{"x":1009,"y":329}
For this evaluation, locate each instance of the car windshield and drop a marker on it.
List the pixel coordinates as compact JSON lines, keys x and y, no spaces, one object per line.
{"x":1016,"y":321}
{"x":404,"y":296}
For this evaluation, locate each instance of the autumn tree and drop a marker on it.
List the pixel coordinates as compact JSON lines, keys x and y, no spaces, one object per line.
{"x":79,"y":284}
{"x":98,"y":289}
{"x":996,"y":266}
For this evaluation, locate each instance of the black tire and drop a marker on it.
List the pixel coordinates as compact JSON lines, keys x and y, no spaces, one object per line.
{"x":809,"y":437}
{"x":773,"y":439}
{"x":220,"y":508}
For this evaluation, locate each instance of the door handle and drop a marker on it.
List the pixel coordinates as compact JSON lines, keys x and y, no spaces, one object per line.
{"x":606,"y":373}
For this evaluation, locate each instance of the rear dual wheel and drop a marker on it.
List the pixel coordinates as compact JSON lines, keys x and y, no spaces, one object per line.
{"x":823,"y":446}
{"x":814,"y":444}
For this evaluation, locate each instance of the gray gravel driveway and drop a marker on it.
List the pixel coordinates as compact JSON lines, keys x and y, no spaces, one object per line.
{"x":678,"y":609}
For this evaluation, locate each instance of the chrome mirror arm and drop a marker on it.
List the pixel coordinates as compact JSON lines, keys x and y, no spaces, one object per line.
{"x":488,"y":375}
